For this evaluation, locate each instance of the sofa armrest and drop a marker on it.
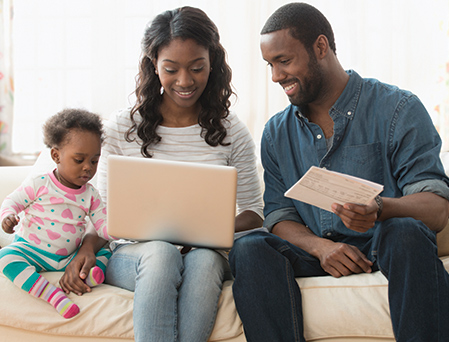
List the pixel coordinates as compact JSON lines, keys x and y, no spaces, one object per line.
{"x":11,"y":177}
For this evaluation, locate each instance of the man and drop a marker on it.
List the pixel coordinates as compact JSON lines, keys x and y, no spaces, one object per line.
{"x":340,"y":121}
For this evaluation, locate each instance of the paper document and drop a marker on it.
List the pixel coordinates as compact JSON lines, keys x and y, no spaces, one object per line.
{"x":322,"y":188}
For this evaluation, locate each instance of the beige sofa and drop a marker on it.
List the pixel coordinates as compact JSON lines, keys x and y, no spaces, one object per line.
{"x":353,"y":308}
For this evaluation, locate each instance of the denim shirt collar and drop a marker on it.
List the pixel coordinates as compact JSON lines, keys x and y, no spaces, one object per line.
{"x":347,"y":102}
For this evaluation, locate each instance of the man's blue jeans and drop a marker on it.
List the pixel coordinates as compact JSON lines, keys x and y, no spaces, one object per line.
{"x":268,"y":298}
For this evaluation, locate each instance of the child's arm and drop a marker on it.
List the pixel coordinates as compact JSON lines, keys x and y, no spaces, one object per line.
{"x":21,"y":198}
{"x":78,"y":269}
{"x":11,"y":207}
{"x":9,"y":222}
{"x":98,"y":217}
{"x":95,"y":238}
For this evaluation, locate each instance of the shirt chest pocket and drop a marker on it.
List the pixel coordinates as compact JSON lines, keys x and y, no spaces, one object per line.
{"x":364,"y":161}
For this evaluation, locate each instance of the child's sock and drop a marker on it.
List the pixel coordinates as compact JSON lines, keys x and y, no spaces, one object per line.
{"x":55,"y":296}
{"x":95,"y":277}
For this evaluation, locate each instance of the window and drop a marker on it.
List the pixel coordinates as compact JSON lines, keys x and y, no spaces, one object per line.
{"x":84,"y":53}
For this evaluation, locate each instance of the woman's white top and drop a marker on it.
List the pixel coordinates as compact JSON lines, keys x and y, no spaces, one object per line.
{"x":186,"y":144}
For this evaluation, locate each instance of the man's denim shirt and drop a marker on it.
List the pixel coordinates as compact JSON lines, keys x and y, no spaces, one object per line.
{"x":381,"y":133}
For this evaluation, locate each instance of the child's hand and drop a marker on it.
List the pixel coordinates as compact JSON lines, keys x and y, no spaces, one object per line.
{"x":9,"y":222}
{"x":76,"y":272}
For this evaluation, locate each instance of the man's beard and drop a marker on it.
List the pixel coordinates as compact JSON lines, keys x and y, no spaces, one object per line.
{"x":311,"y":87}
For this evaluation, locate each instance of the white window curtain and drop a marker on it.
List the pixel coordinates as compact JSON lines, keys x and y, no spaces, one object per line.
{"x":84,"y":53}
{"x":441,"y":96}
{"x":6,"y":77}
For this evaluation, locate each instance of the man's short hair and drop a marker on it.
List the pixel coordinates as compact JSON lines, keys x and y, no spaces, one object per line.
{"x":305,"y":22}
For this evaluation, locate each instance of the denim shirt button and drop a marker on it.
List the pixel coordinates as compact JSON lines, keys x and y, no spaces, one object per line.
{"x":319,"y":136}
{"x":349,"y":113}
{"x":328,"y":234}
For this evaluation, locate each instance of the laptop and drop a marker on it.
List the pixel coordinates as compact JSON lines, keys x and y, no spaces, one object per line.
{"x":183,"y":203}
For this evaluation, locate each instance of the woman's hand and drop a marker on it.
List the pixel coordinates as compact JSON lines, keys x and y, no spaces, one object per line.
{"x":9,"y":222}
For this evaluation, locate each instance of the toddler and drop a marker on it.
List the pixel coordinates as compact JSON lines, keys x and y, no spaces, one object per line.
{"x":55,"y":207}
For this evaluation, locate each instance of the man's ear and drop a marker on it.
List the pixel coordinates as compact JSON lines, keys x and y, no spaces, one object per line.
{"x":54,"y":152}
{"x":321,"y":46}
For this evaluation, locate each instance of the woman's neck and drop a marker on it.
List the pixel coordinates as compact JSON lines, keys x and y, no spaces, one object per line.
{"x":174,"y":116}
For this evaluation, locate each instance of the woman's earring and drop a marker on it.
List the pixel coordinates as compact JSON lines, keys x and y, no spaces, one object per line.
{"x":162,"y":90}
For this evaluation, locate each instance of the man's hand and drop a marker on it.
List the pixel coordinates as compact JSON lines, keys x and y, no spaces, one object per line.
{"x":340,"y":259}
{"x":9,"y":222}
{"x":359,"y":218}
{"x":337,"y":259}
{"x":76,"y":272}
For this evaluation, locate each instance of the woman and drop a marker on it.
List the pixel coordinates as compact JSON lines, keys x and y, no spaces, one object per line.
{"x":181,"y":113}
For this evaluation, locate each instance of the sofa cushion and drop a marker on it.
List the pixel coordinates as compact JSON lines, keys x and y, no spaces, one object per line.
{"x":331,"y":303}
{"x":105,"y":312}
{"x":353,"y":306}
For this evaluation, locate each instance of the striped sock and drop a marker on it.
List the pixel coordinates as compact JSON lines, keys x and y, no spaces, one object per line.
{"x":55,"y":296}
{"x":95,"y":277}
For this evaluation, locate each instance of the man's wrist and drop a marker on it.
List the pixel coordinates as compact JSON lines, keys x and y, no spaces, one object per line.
{"x":380,"y":205}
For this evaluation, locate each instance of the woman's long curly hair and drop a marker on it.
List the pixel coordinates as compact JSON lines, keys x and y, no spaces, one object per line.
{"x":182,"y":23}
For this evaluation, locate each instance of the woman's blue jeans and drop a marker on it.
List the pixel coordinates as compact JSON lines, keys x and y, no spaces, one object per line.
{"x":175,"y":296}
{"x":268,"y":298}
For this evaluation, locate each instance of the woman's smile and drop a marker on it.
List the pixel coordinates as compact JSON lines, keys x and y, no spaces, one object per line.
{"x":185,"y":94}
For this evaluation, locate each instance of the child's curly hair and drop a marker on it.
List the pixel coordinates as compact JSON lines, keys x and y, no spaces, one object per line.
{"x":57,"y":127}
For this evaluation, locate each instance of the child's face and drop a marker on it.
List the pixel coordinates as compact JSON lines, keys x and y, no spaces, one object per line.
{"x":77,"y":159}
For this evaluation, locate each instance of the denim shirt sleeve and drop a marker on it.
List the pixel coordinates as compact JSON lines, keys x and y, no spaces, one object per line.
{"x":414,"y":148}
{"x":276,"y":204}
{"x":284,"y":214}
{"x":435,"y":186}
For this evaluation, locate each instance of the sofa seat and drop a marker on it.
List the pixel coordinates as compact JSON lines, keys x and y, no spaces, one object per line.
{"x":353,"y":308}
{"x":347,"y":308}
{"x":106,"y":313}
